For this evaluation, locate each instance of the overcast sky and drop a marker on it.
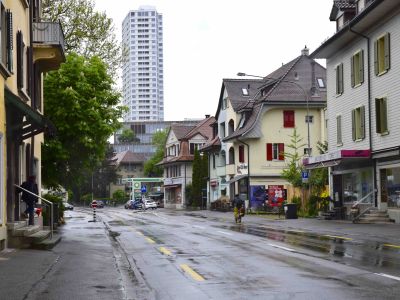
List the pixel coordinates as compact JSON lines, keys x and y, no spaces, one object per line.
{"x":208,"y":40}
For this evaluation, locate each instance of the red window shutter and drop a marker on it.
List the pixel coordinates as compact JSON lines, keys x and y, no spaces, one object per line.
{"x":281,"y":148}
{"x":241,"y":154}
{"x":269,"y":151}
{"x":288,"y":118}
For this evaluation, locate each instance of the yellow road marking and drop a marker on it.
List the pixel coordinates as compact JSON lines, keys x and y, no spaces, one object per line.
{"x":150,"y":240}
{"x":165,"y":251}
{"x":339,"y":237}
{"x":390,"y":245}
{"x":196,"y":276}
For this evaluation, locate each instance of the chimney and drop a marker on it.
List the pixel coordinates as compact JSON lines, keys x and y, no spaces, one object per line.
{"x":207,"y":116}
{"x":305,"y":51}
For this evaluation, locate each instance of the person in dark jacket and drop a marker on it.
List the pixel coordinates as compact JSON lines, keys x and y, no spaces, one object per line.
{"x":238,"y":209}
{"x":30,"y":200}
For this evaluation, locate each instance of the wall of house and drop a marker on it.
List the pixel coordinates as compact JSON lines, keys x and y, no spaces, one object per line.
{"x":3,"y":166}
{"x":387,"y":85}
{"x":349,"y":100}
{"x":124,"y":172}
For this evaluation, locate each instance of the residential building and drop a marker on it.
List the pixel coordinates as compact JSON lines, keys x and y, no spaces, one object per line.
{"x":292,"y":97}
{"x":128,"y":165}
{"x":143,"y":67}
{"x":362,"y":114}
{"x":179,"y":154}
{"x":29,"y":48}
{"x":234,"y":94}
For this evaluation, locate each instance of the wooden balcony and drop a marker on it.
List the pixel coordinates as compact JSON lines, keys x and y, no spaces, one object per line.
{"x":48,"y":45}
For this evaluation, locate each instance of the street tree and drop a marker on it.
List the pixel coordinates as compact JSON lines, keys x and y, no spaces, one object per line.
{"x":127,"y":136}
{"x":150,"y":166}
{"x":87,"y":31}
{"x":83,"y":106}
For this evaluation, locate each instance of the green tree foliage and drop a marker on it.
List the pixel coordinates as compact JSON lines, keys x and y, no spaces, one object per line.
{"x":319,"y":177}
{"x":292,"y":171}
{"x":87,"y":31}
{"x":82,"y":104}
{"x":127,"y":136}
{"x":150,"y":167}
{"x":119,"y":196}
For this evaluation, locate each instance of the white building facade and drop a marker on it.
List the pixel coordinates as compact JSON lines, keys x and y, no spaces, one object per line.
{"x":143,"y":65}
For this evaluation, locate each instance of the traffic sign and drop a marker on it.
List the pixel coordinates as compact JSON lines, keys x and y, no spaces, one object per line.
{"x":304,"y":176}
{"x":94,"y":204}
{"x":143,"y":189}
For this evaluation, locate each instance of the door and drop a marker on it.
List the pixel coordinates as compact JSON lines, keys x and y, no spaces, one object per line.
{"x":337,"y":190}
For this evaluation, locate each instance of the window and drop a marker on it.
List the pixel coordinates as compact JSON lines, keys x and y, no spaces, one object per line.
{"x":20,"y":60}
{"x":381,"y":115}
{"x":288,"y":118}
{"x":382,"y":54}
{"x":339,"y":79}
{"x":307,"y":151}
{"x":275,"y":151}
{"x":194,"y":146}
{"x":309,"y":119}
{"x":339,"y":140}
{"x":241,"y":153}
{"x":321,"y":83}
{"x":231,"y":156}
{"x":245,"y":92}
{"x":358,"y":123}
{"x":6,"y":38}
{"x":357,"y":68}
{"x":222,"y":129}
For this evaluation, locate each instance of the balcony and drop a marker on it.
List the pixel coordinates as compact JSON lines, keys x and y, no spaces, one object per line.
{"x":230,"y":169}
{"x":48,"y":45}
{"x":221,"y":171}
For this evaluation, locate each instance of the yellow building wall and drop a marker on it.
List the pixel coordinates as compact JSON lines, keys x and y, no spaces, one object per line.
{"x":274,"y":132}
{"x":3,"y":164}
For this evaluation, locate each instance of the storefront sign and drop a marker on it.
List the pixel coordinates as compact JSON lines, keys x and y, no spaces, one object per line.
{"x":275,"y":194}
{"x":336,"y":155}
{"x":167,"y":181}
{"x":242,"y":169}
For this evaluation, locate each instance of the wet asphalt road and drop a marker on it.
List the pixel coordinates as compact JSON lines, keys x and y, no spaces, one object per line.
{"x":177,"y":255}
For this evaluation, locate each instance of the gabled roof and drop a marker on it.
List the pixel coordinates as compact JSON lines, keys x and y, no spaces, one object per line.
{"x":204,"y":128}
{"x":295,"y":86}
{"x":215,"y":143}
{"x":181,"y":130}
{"x":234,"y":90}
{"x":341,"y":5}
{"x":128,"y":157}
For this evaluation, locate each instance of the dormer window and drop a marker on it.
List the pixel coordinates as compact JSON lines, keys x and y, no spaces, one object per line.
{"x":321,"y":83}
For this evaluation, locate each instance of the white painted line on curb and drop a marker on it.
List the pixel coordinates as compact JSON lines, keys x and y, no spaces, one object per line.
{"x":283,"y":248}
{"x":388,"y":276}
{"x":223,"y":232}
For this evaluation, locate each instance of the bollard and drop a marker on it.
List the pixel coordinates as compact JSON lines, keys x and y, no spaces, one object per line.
{"x":94,"y":214}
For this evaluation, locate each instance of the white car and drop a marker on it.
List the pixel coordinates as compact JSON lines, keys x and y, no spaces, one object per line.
{"x":149,"y":203}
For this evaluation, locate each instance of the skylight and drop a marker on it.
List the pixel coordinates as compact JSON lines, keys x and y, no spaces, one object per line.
{"x":245,"y":92}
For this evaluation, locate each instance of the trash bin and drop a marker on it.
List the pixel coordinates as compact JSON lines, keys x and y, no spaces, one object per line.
{"x":291,"y":211}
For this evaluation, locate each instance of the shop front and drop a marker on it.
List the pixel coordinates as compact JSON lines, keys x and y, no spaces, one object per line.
{"x":351,"y":176}
{"x":389,"y":189}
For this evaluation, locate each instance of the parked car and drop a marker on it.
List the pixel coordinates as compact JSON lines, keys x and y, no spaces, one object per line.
{"x":68,"y":206}
{"x":149,"y":203}
{"x":100,"y":203}
{"x":133,"y":204}
{"x":158,"y":198}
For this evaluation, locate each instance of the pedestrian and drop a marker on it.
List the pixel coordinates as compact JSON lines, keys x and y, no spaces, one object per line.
{"x":238,"y":208}
{"x":30,"y":200}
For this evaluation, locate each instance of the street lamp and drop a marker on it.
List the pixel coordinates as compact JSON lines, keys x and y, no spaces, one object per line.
{"x":244,"y":74}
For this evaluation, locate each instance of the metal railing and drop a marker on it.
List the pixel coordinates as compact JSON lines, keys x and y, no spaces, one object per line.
{"x":359,"y":214}
{"x":48,"y":33}
{"x":46,"y":202}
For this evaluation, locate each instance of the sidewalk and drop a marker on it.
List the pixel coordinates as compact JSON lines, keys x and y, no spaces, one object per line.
{"x":380,"y":233}
{"x":83,"y":265}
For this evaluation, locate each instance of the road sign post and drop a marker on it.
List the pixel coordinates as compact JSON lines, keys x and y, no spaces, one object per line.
{"x":94,"y":205}
{"x":304,"y":176}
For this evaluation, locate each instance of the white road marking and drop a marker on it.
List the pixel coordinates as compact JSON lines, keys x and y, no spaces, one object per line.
{"x":388,"y":276}
{"x":223,"y":232}
{"x":197,"y":226}
{"x":283,"y":248}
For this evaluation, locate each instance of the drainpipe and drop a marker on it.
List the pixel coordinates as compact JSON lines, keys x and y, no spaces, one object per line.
{"x":248,"y":169}
{"x":369,"y":108}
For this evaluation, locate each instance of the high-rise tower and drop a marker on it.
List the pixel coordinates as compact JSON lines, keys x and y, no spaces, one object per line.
{"x":142,"y":71}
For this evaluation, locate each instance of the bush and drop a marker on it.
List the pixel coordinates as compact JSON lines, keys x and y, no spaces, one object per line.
{"x":120,"y":196}
{"x":57,"y":200}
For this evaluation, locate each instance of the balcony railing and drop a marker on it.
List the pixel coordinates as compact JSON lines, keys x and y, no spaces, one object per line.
{"x":49,"y":33}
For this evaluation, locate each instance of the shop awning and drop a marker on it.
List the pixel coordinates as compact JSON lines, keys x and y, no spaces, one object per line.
{"x":236,"y":178}
{"x":35,"y":123}
{"x":334,"y":158}
{"x":171,"y":186}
